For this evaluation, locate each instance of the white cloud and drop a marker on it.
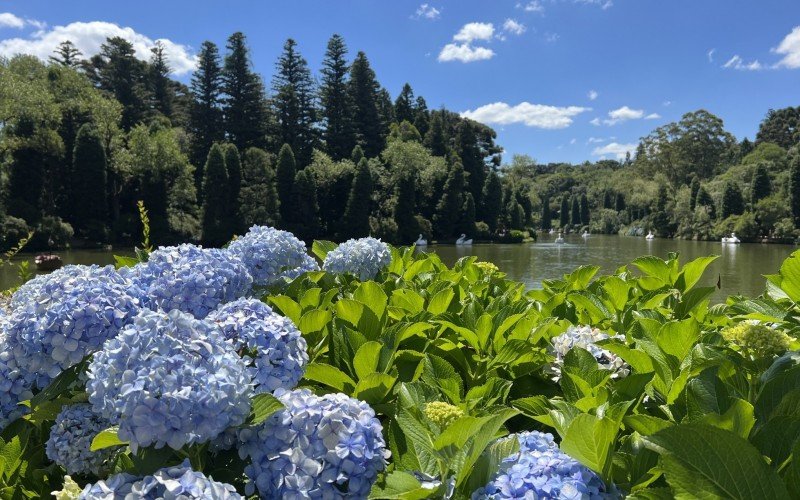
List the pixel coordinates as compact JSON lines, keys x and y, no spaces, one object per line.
{"x":595,"y":140}
{"x":623,"y":114}
{"x":738,"y":63}
{"x":89,"y":36}
{"x":614,"y":148}
{"x":592,"y":95}
{"x":603,"y":4}
{"x":532,"y":6}
{"x":9,"y":20}
{"x":531,"y":115}
{"x":595,"y":121}
{"x":551,"y":37}
{"x":666,"y":103}
{"x":427,"y":11}
{"x":573,"y":141}
{"x":652,"y":116}
{"x":789,"y":48}
{"x":710,"y":55}
{"x":465,"y":53}
{"x":514,"y":27}
{"x":474,"y":31}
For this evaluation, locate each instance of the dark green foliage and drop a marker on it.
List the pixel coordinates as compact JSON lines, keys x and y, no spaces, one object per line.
{"x":363,"y":90}
{"x":421,"y":116}
{"x":122,"y":74}
{"x":385,"y":110}
{"x":467,"y":223}
{"x":404,"y":105}
{"x":404,"y":131}
{"x":794,"y":186}
{"x":285,"y":175}
{"x":705,"y":200}
{"x":355,"y":222}
{"x":515,"y":215}
{"x":585,"y":216}
{"x":761,"y":186}
{"x":732,"y":201}
{"x":745,"y":148}
{"x":608,"y":199}
{"x":89,"y":204}
{"x":66,"y":54}
{"x":293,"y":102}
{"x":781,"y":127}
{"x":233,"y":164}
{"x":694,"y":187}
{"x":216,"y":230}
{"x":405,"y":208}
{"x":435,"y":139}
{"x":356,"y":155}
{"x":491,"y":200}
{"x":304,"y":203}
{"x":159,"y":83}
{"x":206,"y":120}
{"x":564,"y":212}
{"x":575,"y":211}
{"x":246,"y":115}
{"x":258,"y":197}
{"x":619,"y":203}
{"x":448,"y":210}
{"x":337,"y":109}
{"x":547,"y":222}
{"x":467,"y":149}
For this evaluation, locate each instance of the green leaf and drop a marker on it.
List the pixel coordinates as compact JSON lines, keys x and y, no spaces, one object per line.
{"x":654,"y":267}
{"x":399,"y":485}
{"x":320,"y":248}
{"x":288,"y":307}
{"x":703,"y":461}
{"x":441,"y":301}
{"x":678,"y":337}
{"x":374,"y":387}
{"x":738,"y":418}
{"x":646,"y":424}
{"x":262,"y":407}
{"x":314,"y":320}
{"x":790,"y":276}
{"x":693,"y":271}
{"x":372,"y":295}
{"x":329,"y":376}
{"x":107,"y":439}
{"x":121,"y":261}
{"x":590,"y":440}
{"x":366,"y":359}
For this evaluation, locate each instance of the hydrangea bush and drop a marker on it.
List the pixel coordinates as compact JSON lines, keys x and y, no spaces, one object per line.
{"x":585,"y":337}
{"x":363,"y":258}
{"x":271,"y":254}
{"x":71,"y":437}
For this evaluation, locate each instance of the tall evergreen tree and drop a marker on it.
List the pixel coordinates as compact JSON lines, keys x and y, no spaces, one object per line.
{"x":89,"y":204}
{"x":206,"y":120}
{"x":245,"y":112}
{"x":293,"y":102}
{"x":435,"y":139}
{"x":385,"y":111}
{"x":233,"y":164}
{"x":161,"y":88}
{"x":491,"y":201}
{"x":547,"y":216}
{"x":619,"y":202}
{"x":357,"y":155}
{"x":355,"y":222}
{"x":564,"y":212}
{"x":67,"y":54}
{"x":404,"y":105}
{"x":258,"y":197}
{"x":338,"y":134}
{"x":575,"y":211}
{"x":694,"y":187}
{"x":285,"y":176}
{"x":421,"y":116}
{"x":216,"y":230}
{"x":608,"y":199}
{"x":304,"y":203}
{"x":705,"y":200}
{"x":515,"y":214}
{"x":761,"y":187}
{"x":405,"y":208}
{"x":732,"y":201}
{"x":794,"y":187}
{"x":122,"y":74}
{"x":448,"y":210}
{"x":467,"y":223}
{"x":363,"y":90}
{"x":585,"y":214}
{"x":467,"y":148}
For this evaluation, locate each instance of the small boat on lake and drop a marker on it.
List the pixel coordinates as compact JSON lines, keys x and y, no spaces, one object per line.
{"x":48,"y":262}
{"x":421,"y":242}
{"x":463,"y":241}
{"x":560,"y":238}
{"x":650,"y":236}
{"x":732,"y":239}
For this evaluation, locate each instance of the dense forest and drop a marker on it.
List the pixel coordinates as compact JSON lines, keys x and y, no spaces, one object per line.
{"x":335,"y":156}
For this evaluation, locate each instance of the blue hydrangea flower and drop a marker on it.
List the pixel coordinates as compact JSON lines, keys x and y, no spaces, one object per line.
{"x":31,"y":288}
{"x":541,"y":470}
{"x":178,"y":483}
{"x":363,"y":257}
{"x":71,"y":436}
{"x":585,"y":338}
{"x":191,"y":279}
{"x":169,"y":379}
{"x":15,"y":383}
{"x":316,"y":447}
{"x":271,"y":254}
{"x":68,"y":316}
{"x":275,"y":350}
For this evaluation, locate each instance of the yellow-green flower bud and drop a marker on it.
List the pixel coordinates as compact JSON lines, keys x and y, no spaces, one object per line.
{"x":758,"y":340}
{"x":71,"y":490}
{"x":442,"y":414}
{"x":487,"y":267}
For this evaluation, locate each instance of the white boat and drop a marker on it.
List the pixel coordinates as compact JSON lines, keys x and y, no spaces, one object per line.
{"x":462,"y":240}
{"x":732,"y":239}
{"x":421,"y":242}
{"x":560,"y":238}
{"x":552,"y":231}
{"x":586,"y":234}
{"x":650,"y":236}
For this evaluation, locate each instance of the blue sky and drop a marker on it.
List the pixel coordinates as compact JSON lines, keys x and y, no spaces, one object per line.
{"x":560,"y":80}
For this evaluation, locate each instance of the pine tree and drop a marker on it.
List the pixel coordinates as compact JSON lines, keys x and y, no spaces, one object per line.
{"x":258,"y":197}
{"x":338,"y":134}
{"x":467,"y":223}
{"x":585,"y":215}
{"x":794,"y":187}
{"x":705,"y":200}
{"x":246,"y":115}
{"x":515,"y":214}
{"x":421,"y":116}
{"x":160,"y":84}
{"x":357,"y":155}
{"x":492,"y":201}
{"x":564,"y":213}
{"x":67,"y":54}
{"x":404,"y":208}
{"x":575,"y":211}
{"x":435,"y":139}
{"x":122,"y":74}
{"x":215,"y":227}
{"x":89,"y":204}
{"x":355,"y":222}
{"x":732,"y":201}
{"x":385,"y":111}
{"x":206,"y":120}
{"x":233,"y":164}
{"x":293,"y":102}
{"x":285,"y":176}
{"x":619,"y":203}
{"x":467,"y":148}
{"x":404,"y":105}
{"x":304,"y":204}
{"x":608,"y":199}
{"x":761,"y":186}
{"x":547,"y":216}
{"x":363,"y":90}
{"x":694,"y":187}
{"x":448,"y":210}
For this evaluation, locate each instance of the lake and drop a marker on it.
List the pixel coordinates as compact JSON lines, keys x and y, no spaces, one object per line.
{"x":740,"y":267}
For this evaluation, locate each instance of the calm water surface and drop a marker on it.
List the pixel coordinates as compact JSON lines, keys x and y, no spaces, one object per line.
{"x":740,"y":267}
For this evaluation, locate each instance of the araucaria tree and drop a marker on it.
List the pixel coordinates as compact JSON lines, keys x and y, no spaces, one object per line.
{"x":246,"y":115}
{"x":364,"y":96}
{"x":216,"y":230}
{"x":205,"y":120}
{"x":293,"y":103}
{"x":336,"y":106}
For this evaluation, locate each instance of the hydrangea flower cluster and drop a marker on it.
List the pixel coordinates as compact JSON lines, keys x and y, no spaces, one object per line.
{"x":28,"y":291}
{"x":316,"y":447}
{"x":179,"y":483}
{"x":541,"y":470}
{"x":66,"y":317}
{"x":15,"y":385}
{"x":586,"y":337}
{"x":71,"y":436}
{"x":169,"y":379}
{"x":271,"y":254}
{"x":191,"y":279}
{"x":363,"y":257}
{"x":757,"y":340}
{"x":442,"y":414}
{"x":275,"y":350}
